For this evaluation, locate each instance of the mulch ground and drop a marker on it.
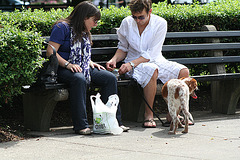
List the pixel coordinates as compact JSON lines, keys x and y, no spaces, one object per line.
{"x":11,"y":117}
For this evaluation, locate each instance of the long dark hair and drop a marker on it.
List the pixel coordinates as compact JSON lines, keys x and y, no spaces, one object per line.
{"x":82,"y":11}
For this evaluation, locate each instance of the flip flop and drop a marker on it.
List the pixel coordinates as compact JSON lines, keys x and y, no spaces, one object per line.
{"x":151,"y":121}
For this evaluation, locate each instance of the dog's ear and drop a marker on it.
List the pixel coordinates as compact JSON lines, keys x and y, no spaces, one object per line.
{"x":190,"y":83}
{"x":193,"y":84}
{"x":176,"y":95}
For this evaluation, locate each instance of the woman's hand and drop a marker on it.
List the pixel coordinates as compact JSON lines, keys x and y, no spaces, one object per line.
{"x":126,"y":67}
{"x":98,"y":66}
{"x":74,"y":67}
{"x":111,"y":65}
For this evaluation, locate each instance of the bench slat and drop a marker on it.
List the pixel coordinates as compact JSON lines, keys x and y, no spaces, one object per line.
{"x":63,"y":85}
{"x":202,"y":34}
{"x":171,"y":35}
{"x":200,"y":47}
{"x":213,"y":77}
{"x":200,"y":60}
{"x":178,"y":47}
{"x":217,"y":77}
{"x":104,"y":50}
{"x":105,"y":37}
{"x":55,"y":86}
{"x":207,"y":60}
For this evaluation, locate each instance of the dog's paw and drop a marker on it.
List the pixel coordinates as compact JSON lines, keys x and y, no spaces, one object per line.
{"x":171,"y":132}
{"x":184,"y":131}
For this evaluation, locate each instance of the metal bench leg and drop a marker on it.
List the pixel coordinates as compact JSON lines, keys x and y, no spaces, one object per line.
{"x":132,"y":105}
{"x":225,"y":96}
{"x":39,"y":106}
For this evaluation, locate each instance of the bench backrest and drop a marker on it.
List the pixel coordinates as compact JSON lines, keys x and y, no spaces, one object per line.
{"x":182,"y":47}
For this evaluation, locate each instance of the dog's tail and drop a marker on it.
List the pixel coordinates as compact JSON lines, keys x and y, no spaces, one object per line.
{"x":188,"y":114}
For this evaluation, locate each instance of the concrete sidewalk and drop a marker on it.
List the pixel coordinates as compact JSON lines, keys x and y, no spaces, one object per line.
{"x":213,"y":137}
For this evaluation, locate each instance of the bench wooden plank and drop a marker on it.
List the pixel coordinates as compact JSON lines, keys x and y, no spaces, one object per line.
{"x":217,"y":77}
{"x":200,"y":47}
{"x":175,"y":48}
{"x":202,"y":34}
{"x":105,"y":37}
{"x":178,"y":48}
{"x":200,"y":60}
{"x":172,"y":35}
{"x":126,"y":82}
{"x":207,"y":60}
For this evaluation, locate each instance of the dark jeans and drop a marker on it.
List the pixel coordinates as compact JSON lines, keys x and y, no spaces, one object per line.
{"x":78,"y":88}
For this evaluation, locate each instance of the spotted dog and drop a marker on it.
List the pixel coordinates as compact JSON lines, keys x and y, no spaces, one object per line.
{"x":176,"y":94}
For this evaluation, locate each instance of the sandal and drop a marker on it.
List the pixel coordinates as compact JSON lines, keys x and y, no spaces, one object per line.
{"x":151,"y":121}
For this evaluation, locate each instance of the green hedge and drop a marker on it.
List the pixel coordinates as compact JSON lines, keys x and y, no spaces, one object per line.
{"x":40,"y":19}
{"x":224,"y":14}
{"x":19,"y":57}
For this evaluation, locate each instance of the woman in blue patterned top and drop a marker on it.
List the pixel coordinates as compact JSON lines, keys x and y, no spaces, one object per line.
{"x":72,"y":39}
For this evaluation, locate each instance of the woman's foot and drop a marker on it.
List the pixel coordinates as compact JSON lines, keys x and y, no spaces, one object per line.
{"x":86,"y":131}
{"x":149,"y":123}
{"x":125,"y":129}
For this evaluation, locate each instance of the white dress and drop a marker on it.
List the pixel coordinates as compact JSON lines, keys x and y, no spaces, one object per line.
{"x":148,"y":45}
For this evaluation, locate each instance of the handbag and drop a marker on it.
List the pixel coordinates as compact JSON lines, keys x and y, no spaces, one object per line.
{"x":48,"y":73}
{"x":104,"y":115}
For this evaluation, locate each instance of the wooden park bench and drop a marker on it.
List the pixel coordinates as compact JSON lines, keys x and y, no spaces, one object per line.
{"x":225,"y":87}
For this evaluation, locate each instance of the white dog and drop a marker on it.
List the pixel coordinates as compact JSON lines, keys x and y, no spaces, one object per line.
{"x":176,"y":94}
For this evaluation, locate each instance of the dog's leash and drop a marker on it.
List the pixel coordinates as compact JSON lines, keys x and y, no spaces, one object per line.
{"x":154,"y":113}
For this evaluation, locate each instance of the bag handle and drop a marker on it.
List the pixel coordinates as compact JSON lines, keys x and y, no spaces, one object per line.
{"x":92,"y":101}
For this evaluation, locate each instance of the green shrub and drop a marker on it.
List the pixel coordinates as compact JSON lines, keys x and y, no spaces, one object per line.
{"x":223,"y":14}
{"x":38,"y":18}
{"x":19,"y":59}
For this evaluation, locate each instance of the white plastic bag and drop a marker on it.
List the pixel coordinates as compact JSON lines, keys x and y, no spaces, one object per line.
{"x":104,"y":116}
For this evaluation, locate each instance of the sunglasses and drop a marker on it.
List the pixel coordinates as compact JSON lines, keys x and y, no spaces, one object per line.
{"x":95,"y":21}
{"x":139,"y":17}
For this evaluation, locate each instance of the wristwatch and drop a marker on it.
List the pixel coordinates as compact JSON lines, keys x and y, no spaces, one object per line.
{"x":66,"y":64}
{"x":132,"y":64}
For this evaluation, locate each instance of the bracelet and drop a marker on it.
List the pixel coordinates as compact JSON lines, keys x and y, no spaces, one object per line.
{"x":132,"y":64}
{"x":66,"y":64}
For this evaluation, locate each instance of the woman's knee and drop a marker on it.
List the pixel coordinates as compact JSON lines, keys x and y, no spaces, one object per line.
{"x":111,"y":78}
{"x":104,"y":78}
{"x":183,"y":73}
{"x":78,"y":78}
